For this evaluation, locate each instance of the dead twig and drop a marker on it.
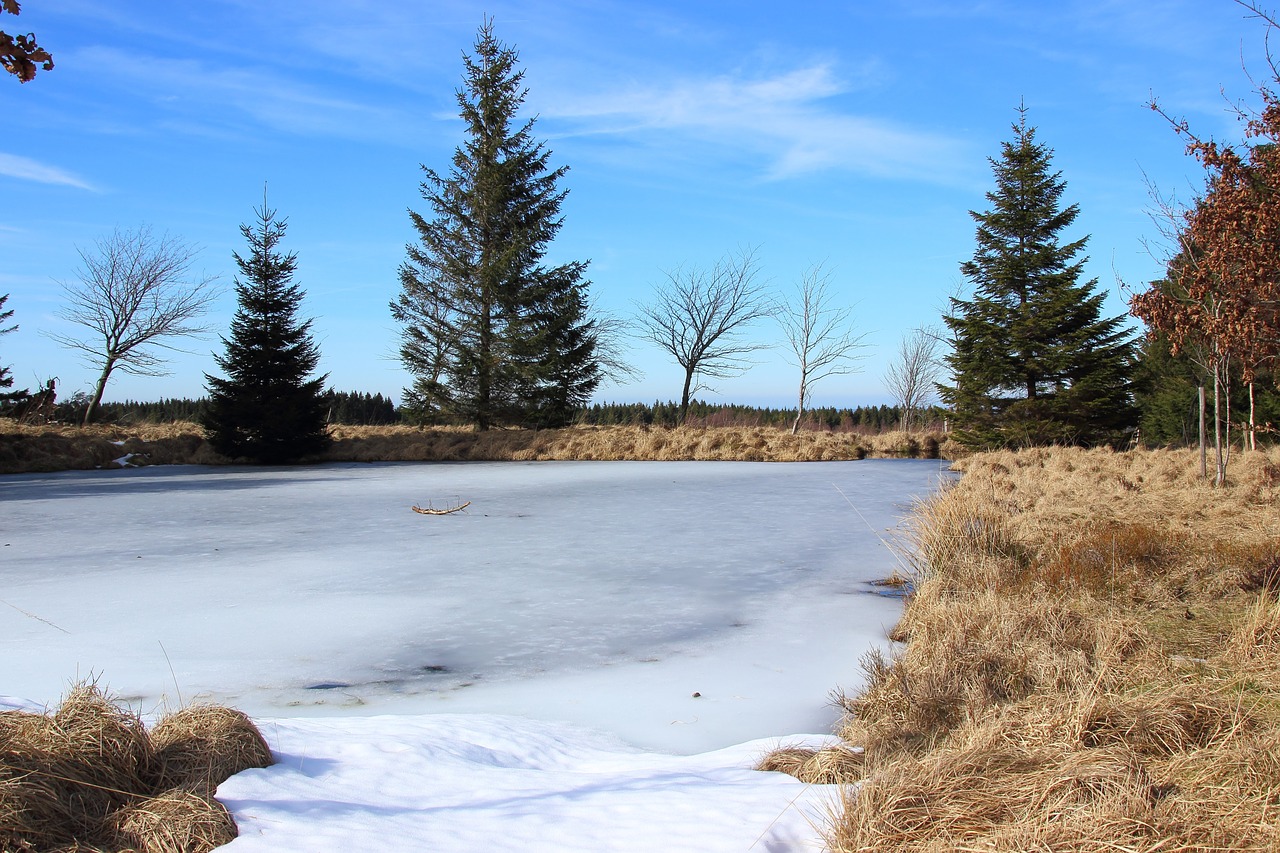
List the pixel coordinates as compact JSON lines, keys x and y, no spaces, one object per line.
{"x":430,"y":510}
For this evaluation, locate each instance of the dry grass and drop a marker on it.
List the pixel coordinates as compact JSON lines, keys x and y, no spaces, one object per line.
{"x":176,"y":821}
{"x":969,"y":653}
{"x":52,"y":448}
{"x":26,"y":448}
{"x":201,"y":746}
{"x":622,"y":443}
{"x":90,"y":777}
{"x":1092,"y":663}
{"x":816,"y":766}
{"x":62,"y":774}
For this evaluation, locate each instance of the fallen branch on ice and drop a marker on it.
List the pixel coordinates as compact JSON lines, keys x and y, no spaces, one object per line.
{"x":430,"y":510}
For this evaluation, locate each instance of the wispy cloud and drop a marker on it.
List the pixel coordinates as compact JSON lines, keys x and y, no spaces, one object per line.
{"x":26,"y":169}
{"x":790,"y":123}
{"x":219,"y":99}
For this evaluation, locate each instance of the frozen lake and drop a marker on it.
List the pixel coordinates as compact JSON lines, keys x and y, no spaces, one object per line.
{"x":606,"y":594}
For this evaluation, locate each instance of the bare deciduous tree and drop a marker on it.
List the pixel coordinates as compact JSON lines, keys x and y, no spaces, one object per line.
{"x":611,"y":333}
{"x":911,"y":378}
{"x":819,"y":334}
{"x":698,"y":316}
{"x":134,"y":291}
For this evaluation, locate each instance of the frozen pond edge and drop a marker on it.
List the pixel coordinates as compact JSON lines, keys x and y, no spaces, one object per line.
{"x":683,"y":578}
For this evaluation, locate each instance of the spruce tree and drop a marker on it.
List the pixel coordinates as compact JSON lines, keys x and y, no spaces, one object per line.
{"x":6,"y":375}
{"x":267,"y":409}
{"x":491,"y":335}
{"x":1033,"y":360}
{"x":6,"y":378}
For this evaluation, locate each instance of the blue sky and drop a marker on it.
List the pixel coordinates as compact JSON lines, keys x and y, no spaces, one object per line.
{"x":853,"y":134}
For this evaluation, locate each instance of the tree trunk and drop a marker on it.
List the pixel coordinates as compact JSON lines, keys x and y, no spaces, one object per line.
{"x":1253,"y":426}
{"x":1226,"y":434}
{"x":1204,"y":470}
{"x":795,"y":425}
{"x":98,"y":391}
{"x":684,"y":396}
{"x":1220,"y":475}
{"x":483,"y":381}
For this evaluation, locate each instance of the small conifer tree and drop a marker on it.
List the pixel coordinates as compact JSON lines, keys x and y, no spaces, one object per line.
{"x":1033,"y":360}
{"x":266,"y":409}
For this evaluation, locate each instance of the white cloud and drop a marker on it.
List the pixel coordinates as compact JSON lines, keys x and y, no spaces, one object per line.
{"x":217,"y":97}
{"x":26,"y":169}
{"x":787,"y":121}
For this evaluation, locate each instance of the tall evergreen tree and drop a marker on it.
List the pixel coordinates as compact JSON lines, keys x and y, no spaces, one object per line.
{"x":491,"y":334}
{"x":6,"y":378}
{"x":6,"y":375}
{"x":267,"y":409}
{"x":1033,"y":360}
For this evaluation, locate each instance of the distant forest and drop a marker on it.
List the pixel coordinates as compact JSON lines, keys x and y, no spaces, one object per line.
{"x":355,"y":408}
{"x":344,"y":407}
{"x":863,"y":419}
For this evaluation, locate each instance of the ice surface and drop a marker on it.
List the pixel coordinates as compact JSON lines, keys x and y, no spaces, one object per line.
{"x":696,"y":608}
{"x":599,"y":593}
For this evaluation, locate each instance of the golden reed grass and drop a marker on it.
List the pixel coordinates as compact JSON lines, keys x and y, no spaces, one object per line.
{"x":90,"y":776}
{"x":26,"y":448}
{"x":1092,"y":663}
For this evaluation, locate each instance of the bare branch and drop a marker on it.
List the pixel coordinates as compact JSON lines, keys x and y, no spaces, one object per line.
{"x":820,"y":335}
{"x":699,"y":316}
{"x":911,"y":380}
{"x":134,"y":294}
{"x":610,"y":332}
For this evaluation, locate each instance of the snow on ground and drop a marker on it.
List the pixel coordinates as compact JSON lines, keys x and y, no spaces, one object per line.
{"x":476,"y":782}
{"x":483,"y":680}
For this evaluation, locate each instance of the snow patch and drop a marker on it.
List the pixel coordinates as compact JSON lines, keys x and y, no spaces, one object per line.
{"x":458,"y":784}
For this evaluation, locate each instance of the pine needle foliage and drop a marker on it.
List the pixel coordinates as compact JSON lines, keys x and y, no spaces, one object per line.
{"x":266,"y":409}
{"x":1034,"y":361}
{"x":6,"y":375}
{"x":491,"y":334}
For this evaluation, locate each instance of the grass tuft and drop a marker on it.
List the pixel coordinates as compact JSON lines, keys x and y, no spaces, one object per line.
{"x":90,"y":777}
{"x":815,"y":766}
{"x":201,"y":746}
{"x":177,"y":821}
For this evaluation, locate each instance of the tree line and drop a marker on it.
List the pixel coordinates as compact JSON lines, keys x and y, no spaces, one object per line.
{"x":349,"y":408}
{"x":862,"y":419}
{"x":355,"y":408}
{"x":493,"y":335}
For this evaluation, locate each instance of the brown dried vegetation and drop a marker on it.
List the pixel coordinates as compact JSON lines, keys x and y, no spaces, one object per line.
{"x":817,"y":766}
{"x":201,"y":746}
{"x":1092,"y":663}
{"x":89,"y":776}
{"x":622,"y":443}
{"x":26,"y":448}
